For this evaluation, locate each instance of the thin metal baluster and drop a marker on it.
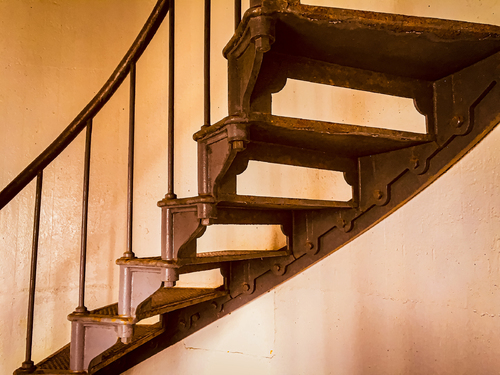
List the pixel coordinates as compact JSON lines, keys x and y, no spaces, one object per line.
{"x":237,"y":13}
{"x":171,"y":77}
{"x":28,"y":364}
{"x":206,"y":64}
{"x":85,"y":209}
{"x":130,"y":183}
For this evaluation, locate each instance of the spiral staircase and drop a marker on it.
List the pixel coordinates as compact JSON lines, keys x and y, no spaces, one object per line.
{"x":450,"y":70}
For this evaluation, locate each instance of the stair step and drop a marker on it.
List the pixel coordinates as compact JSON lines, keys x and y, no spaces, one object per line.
{"x":203,"y":258}
{"x":279,"y":203}
{"x":262,"y":210}
{"x":58,"y":363}
{"x":405,"y":46}
{"x":350,"y":141}
{"x":169,"y":299}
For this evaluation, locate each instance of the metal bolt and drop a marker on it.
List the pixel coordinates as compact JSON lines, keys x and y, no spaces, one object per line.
{"x":182,"y":322}
{"x":457,"y":121}
{"x":378,"y":194}
{"x":277,"y":267}
{"x":215,"y":305}
{"x":344,"y":223}
{"x":238,"y":145}
{"x":262,"y":44}
{"x":416,"y":164}
{"x":195,"y":317}
{"x":310,"y":245}
{"x":246,"y":287}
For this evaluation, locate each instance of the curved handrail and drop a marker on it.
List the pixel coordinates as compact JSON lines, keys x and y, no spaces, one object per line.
{"x":100,"y":99}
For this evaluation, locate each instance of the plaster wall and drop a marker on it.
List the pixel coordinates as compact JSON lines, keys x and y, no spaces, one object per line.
{"x":417,"y":294}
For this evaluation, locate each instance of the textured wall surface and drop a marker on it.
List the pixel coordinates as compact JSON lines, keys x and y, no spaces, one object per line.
{"x":417,"y":294}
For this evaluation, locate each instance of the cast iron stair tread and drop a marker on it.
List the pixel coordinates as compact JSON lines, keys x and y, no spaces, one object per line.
{"x":342,"y":139}
{"x":58,"y":363}
{"x":169,"y":299}
{"x":142,"y":335}
{"x":204,"y":258}
{"x":406,"y":46}
{"x":235,"y":201}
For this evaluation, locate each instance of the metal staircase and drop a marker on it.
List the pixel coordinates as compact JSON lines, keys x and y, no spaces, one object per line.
{"x":450,"y":70}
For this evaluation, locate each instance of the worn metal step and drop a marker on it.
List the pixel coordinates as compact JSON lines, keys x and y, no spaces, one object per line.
{"x":228,"y":208}
{"x":405,"y":46}
{"x":58,"y":363}
{"x":212,"y":258}
{"x":169,"y":299}
{"x":350,"y":141}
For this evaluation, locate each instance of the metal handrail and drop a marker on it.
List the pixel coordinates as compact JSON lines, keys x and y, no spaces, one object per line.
{"x":93,"y":107}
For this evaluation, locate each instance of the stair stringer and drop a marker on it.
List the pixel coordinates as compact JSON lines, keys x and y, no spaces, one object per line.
{"x":471,"y":97}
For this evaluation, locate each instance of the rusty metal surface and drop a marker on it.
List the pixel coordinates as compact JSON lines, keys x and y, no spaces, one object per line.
{"x":169,"y":299}
{"x":279,"y":203}
{"x":202,"y":258}
{"x":408,"y":46}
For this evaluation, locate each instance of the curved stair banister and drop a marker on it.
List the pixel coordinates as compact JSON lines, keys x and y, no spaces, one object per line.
{"x":126,"y":67}
{"x":93,"y":107}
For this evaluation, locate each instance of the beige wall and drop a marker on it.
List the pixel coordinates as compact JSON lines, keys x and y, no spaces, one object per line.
{"x":418,"y":294}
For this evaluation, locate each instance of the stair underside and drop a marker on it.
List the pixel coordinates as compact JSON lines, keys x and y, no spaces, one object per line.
{"x":203,"y":258}
{"x":407,"y":46}
{"x":337,"y":139}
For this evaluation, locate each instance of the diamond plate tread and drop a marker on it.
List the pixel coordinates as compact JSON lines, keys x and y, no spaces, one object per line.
{"x":142,"y":334}
{"x":170,"y":299}
{"x":59,"y":361}
{"x":204,"y":258}
{"x":106,"y":310}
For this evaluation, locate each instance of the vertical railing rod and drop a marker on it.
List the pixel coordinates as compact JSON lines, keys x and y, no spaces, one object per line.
{"x":28,"y":363}
{"x":237,"y":13}
{"x":171,"y":83}
{"x":85,"y":210}
{"x":206,"y":64}
{"x":129,"y":253}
